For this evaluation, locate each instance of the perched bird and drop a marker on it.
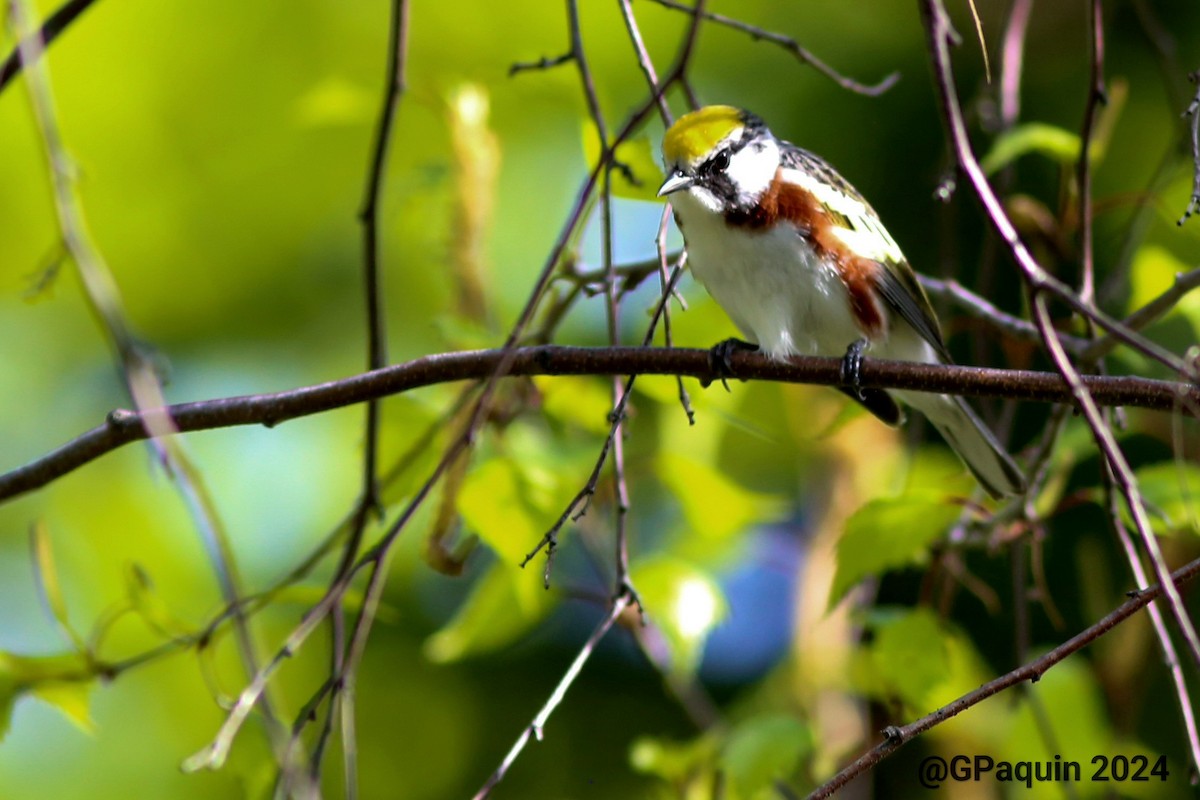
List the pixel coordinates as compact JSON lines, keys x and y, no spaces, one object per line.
{"x":803,"y":265}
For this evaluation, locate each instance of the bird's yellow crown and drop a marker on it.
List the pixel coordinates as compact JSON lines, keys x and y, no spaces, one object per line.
{"x":695,"y":134}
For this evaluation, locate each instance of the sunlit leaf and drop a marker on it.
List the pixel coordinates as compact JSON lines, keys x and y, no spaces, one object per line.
{"x":763,"y":750}
{"x":71,"y":699}
{"x":46,"y":573}
{"x":581,"y":401}
{"x":674,"y":762}
{"x":714,"y":506}
{"x":1032,"y":137}
{"x":60,"y":680}
{"x":637,"y":176}
{"x":887,"y":534}
{"x":684,"y":602}
{"x":1171,"y":491}
{"x":495,"y":504}
{"x":503,"y":605}
{"x":1153,"y":272}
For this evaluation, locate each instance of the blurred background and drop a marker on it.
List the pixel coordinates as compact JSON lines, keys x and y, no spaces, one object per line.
{"x":220,"y":151}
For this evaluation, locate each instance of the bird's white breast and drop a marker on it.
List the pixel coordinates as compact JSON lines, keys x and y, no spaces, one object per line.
{"x":777,"y":290}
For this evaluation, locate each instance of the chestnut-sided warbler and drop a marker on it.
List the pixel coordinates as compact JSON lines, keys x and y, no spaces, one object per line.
{"x":803,"y":265}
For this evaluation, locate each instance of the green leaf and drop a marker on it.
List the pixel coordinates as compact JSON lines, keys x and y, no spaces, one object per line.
{"x":909,"y":656}
{"x":1033,"y":137}
{"x":635,"y":160}
{"x":674,"y":762}
{"x":584,"y":402}
{"x":495,"y":502}
{"x":61,"y":680}
{"x":46,"y":574}
{"x":714,"y":506}
{"x":684,"y":602}
{"x":763,"y":750}
{"x":1171,"y":491}
{"x":504,"y":603}
{"x":1070,"y":713}
{"x":71,"y":699}
{"x":887,"y":534}
{"x":1153,"y":272}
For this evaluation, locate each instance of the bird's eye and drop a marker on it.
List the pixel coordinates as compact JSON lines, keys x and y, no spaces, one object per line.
{"x":719,"y":162}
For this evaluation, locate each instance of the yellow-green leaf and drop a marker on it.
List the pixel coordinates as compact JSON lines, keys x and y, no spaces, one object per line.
{"x":46,"y":574}
{"x":495,"y":503}
{"x":583,"y":401}
{"x":61,"y":680}
{"x":636,"y":175}
{"x":503,"y":605}
{"x":1171,"y":491}
{"x":714,"y":506}
{"x":909,"y":655}
{"x":763,"y":750}
{"x":889,"y":533}
{"x":71,"y":699}
{"x":674,"y":762}
{"x":1032,"y":137}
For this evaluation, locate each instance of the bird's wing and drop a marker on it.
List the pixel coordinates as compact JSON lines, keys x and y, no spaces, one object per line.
{"x":898,"y":286}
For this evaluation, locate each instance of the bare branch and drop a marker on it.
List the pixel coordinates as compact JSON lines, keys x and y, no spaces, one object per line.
{"x":894,"y":737}
{"x":536,"y":728}
{"x":1193,"y":111}
{"x":793,"y":47}
{"x":1039,"y":282}
{"x":122,"y":426}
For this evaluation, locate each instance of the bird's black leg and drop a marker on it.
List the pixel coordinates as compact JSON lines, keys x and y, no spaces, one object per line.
{"x":719,"y":355}
{"x":852,"y":368}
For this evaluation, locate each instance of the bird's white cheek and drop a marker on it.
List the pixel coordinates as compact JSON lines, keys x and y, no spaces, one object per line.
{"x":696,"y":198}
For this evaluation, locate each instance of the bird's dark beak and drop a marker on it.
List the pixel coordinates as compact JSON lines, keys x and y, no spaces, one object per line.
{"x":674,"y":182}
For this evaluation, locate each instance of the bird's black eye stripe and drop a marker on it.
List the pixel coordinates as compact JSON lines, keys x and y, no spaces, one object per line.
{"x":718,"y":163}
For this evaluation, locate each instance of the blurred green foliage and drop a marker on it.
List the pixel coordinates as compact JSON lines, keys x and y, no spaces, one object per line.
{"x":221,"y":150}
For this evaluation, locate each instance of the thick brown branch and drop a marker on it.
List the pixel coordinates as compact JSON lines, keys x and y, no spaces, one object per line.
{"x":123,"y":427}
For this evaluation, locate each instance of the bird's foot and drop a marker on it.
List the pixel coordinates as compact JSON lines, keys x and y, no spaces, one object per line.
{"x":851,"y":372}
{"x":719,"y":359}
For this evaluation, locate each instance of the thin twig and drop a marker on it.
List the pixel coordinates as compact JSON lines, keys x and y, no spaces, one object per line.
{"x":543,"y":63}
{"x":579,"y":503}
{"x":135,"y":366}
{"x":895,"y":737}
{"x":793,"y":47}
{"x":536,"y":728}
{"x":395,"y":84}
{"x":1184,"y":282}
{"x":1193,"y":112}
{"x":1039,"y":283}
{"x":1170,"y":656}
{"x":51,"y":29}
{"x":1015,"y":327}
{"x":643,"y":59}
{"x":1096,"y":96}
{"x":1011,"y":62}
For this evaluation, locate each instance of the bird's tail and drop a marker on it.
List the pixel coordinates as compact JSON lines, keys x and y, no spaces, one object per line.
{"x":969,"y":437}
